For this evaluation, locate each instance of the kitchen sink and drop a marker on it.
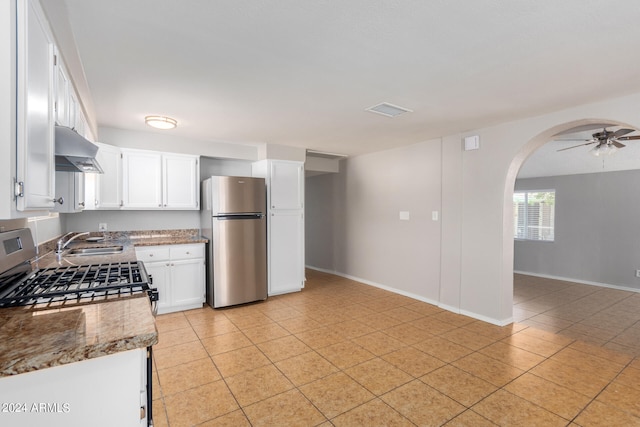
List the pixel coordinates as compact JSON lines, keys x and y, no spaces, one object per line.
{"x":104,"y":250}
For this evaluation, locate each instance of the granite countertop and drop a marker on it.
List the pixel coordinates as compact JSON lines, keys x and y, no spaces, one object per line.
{"x":127,"y":239}
{"x":42,"y":337}
{"x":32,"y":339}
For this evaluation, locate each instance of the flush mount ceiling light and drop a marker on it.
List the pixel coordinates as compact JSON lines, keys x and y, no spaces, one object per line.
{"x":161,"y":122}
{"x":388,"y":110}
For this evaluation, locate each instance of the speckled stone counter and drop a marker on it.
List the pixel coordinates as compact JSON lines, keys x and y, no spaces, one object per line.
{"x":127,"y":239}
{"x":32,"y":339}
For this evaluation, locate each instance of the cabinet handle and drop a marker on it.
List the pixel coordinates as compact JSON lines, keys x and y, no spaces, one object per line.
{"x":95,"y":202}
{"x":167,"y":264}
{"x":188,"y":253}
{"x":150,"y":255}
{"x":160,"y":205}
{"x":81,"y":204}
{"x":59,"y":200}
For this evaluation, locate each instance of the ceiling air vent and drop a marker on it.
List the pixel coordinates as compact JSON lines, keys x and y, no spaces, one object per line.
{"x":388,"y":110}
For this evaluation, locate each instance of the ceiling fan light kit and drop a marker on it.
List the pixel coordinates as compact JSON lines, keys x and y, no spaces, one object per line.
{"x":603,"y":150}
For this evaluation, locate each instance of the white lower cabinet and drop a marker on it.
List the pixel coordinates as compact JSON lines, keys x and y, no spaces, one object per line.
{"x":104,"y":391}
{"x":178,"y":272}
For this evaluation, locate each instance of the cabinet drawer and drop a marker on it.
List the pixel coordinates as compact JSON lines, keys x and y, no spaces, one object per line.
{"x":190,"y":251}
{"x":152,"y":253}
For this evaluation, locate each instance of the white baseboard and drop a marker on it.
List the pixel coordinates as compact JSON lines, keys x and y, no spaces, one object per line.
{"x":416,"y":297}
{"x":583,"y":282}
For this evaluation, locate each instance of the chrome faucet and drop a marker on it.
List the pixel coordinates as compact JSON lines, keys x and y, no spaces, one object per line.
{"x":60,"y":245}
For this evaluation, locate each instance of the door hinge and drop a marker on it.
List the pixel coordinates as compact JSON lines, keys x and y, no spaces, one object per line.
{"x":55,"y":59}
{"x":18,"y":189}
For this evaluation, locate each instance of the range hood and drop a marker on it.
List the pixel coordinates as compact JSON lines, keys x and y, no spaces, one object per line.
{"x":75,"y":153}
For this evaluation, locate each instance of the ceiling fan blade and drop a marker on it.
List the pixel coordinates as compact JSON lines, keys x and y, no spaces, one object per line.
{"x":628,"y":138}
{"x":621,"y":132}
{"x":617,"y":144}
{"x":576,"y":146}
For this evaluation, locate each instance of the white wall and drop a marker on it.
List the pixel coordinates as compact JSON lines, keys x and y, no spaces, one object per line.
{"x":319,"y":221}
{"x":224,"y":167}
{"x":488,"y":178}
{"x":368,"y":240}
{"x":596,"y":218}
{"x":464,"y":262}
{"x":131,"y":220}
{"x":44,"y":229}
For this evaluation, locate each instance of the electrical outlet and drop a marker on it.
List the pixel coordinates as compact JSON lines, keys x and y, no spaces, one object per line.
{"x":102,"y":226}
{"x":637,"y":273}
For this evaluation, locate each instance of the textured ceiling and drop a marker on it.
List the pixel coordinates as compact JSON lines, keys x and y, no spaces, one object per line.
{"x":301,"y":72}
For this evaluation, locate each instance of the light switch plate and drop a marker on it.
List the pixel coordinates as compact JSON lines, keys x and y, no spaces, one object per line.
{"x":404,"y":216}
{"x":434,"y":215}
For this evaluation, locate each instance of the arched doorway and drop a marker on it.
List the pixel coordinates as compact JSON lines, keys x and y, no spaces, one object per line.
{"x":525,"y":152}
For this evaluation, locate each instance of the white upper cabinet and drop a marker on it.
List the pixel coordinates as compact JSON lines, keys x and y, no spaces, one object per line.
{"x":142,"y":179}
{"x":104,"y":191}
{"x":181,"y":183}
{"x":35,"y":167}
{"x":70,"y":192}
{"x":154,"y":180}
{"x":62,"y":93}
{"x":287,"y":181}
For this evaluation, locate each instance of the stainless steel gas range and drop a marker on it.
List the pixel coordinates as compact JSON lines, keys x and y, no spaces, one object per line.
{"x":21,"y":285}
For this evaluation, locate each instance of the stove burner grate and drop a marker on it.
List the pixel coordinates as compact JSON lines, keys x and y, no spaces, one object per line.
{"x":78,"y":282}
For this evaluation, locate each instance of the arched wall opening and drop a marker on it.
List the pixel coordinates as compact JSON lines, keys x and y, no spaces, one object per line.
{"x":519,"y":159}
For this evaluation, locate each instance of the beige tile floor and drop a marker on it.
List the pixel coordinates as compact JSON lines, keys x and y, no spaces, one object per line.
{"x":346,"y":354}
{"x":602,"y":316}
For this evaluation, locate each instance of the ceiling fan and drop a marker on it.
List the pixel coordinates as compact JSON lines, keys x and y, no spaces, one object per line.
{"x":607,"y":141}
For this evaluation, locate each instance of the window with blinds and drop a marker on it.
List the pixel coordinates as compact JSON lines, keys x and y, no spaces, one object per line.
{"x":533,"y":215}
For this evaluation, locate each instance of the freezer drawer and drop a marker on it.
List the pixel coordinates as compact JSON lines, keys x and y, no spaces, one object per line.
{"x":239,"y":254}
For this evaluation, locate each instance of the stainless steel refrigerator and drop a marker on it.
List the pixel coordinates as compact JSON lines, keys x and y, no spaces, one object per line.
{"x":233,"y":219}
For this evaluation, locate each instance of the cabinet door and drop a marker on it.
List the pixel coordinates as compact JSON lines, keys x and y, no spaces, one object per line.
{"x":35,"y":167}
{"x":62,"y":94}
{"x":187,"y":282}
{"x":286,"y":252}
{"x":73,"y":110}
{"x":181,"y":181}
{"x":159,"y":272}
{"x":108,"y":186}
{"x":286,"y":184}
{"x":69,"y":188}
{"x":142,"y":179}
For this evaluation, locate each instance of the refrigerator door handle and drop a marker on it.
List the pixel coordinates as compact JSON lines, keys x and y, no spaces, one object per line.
{"x":239,"y":216}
